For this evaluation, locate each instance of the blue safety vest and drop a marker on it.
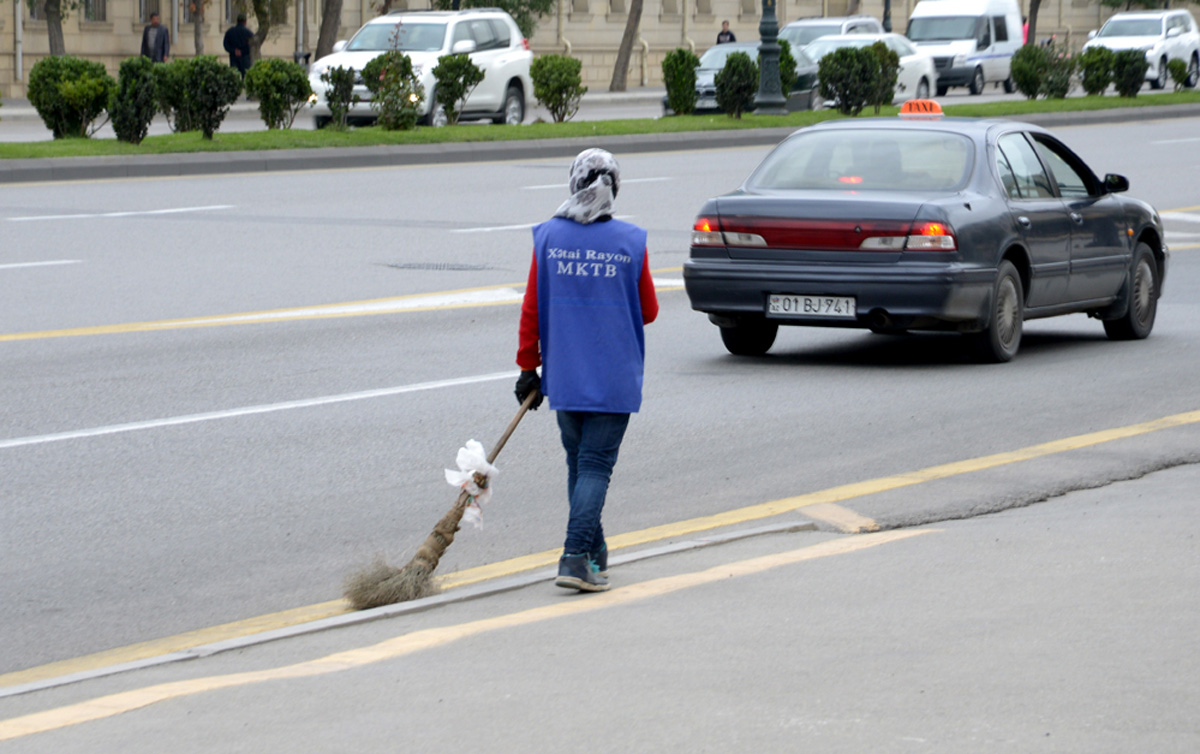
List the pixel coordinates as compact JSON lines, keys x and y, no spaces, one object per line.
{"x":590,"y":314}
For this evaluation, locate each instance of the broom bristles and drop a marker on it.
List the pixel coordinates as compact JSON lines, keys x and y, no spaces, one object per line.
{"x":382,"y":584}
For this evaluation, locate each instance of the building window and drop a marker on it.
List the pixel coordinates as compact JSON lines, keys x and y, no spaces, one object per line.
{"x":148,"y":7}
{"x":38,"y":11}
{"x":95,"y":10}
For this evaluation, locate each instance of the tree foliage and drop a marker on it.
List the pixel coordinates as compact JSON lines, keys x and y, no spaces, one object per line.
{"x":1129,"y":72}
{"x":281,"y":88}
{"x":737,"y":83}
{"x":396,"y":92}
{"x":456,"y":76}
{"x":135,"y":103}
{"x":558,"y":84}
{"x":339,"y":94}
{"x":679,"y":76}
{"x":69,"y":93}
{"x":1029,"y":65}
{"x":1096,"y":69}
{"x":887,"y":63}
{"x":849,"y":77}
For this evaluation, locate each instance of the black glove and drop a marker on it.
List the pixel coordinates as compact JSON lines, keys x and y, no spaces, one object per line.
{"x":529,"y":382}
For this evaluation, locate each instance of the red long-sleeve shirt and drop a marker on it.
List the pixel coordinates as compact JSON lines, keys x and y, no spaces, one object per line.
{"x":529,"y":355}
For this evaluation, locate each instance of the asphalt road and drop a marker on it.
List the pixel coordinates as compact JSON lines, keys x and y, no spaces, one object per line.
{"x":161,"y":478}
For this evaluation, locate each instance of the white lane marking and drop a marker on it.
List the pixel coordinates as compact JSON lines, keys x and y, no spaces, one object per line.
{"x":523,"y":226}
{"x":266,"y":408}
{"x":137,"y":213}
{"x":623,"y":183}
{"x":1176,"y":141}
{"x":1186,"y":216}
{"x":16,"y":265}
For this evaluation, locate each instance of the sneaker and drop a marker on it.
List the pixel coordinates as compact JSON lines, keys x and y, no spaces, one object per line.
{"x":575,"y":572}
{"x":600,"y":560}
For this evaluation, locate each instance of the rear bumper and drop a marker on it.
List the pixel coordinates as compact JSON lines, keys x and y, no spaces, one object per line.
{"x":920,"y":295}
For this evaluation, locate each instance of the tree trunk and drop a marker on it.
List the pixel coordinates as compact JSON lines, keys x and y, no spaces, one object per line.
{"x":621,"y":68}
{"x":54,"y":27}
{"x":198,"y":27}
{"x":1033,"y":11}
{"x":852,"y":10}
{"x":262,"y":16}
{"x":331,"y":17}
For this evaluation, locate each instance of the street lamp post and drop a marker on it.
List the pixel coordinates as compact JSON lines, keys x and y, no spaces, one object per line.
{"x":770,"y":99}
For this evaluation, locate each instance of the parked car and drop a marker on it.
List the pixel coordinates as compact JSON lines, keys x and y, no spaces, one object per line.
{"x":802,"y":31}
{"x":1163,"y":35}
{"x":805,"y":90}
{"x":961,"y":225}
{"x":491,"y":38}
{"x":917,"y":75}
{"x":971,"y":41}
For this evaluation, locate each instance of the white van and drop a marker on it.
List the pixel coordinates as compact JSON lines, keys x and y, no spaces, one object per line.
{"x":971,"y":41}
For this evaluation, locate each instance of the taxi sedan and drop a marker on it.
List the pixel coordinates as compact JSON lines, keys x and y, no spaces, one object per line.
{"x":969,"y":226}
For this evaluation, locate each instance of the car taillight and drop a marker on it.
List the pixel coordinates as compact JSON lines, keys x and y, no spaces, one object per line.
{"x":930,"y":236}
{"x":706,"y":232}
{"x":525,"y":42}
{"x":823,"y":235}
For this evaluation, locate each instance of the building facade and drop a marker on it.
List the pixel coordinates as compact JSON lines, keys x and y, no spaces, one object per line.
{"x":109,"y":31}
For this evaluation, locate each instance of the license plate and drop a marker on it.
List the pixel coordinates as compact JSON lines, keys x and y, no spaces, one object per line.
{"x":838,"y":307}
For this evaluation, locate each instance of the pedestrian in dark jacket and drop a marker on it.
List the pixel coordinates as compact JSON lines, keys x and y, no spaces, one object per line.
{"x":588,"y":297}
{"x":237,"y":44}
{"x":156,"y":40}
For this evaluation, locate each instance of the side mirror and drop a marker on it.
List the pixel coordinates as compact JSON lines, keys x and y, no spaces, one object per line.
{"x":1115,"y":184}
{"x":339,"y":45}
{"x":1174,"y":32}
{"x":463,"y":45}
{"x":1092,"y":34}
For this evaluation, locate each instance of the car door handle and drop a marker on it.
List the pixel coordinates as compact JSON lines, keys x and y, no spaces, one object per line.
{"x":1078,"y":218}
{"x":1024,"y":221}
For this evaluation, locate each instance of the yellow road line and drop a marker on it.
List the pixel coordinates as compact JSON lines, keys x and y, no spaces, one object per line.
{"x":417,"y":641}
{"x":369,"y":307}
{"x":548,"y":558}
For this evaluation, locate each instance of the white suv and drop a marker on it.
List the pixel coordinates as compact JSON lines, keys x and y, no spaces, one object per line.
{"x":1162,"y":34}
{"x":489,"y":36}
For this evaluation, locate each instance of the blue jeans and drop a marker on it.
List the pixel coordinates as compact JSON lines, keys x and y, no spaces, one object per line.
{"x":592,"y":441}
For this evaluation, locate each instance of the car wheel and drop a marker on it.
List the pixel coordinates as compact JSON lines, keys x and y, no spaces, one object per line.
{"x":1193,"y":72}
{"x":1009,"y":85}
{"x":1161,"y":81}
{"x":815,"y":101}
{"x":1001,"y":338}
{"x":749,"y":337}
{"x":1142,"y":299}
{"x":923,"y":89}
{"x":977,"y":83}
{"x":514,"y":108}
{"x":436,"y":116}
{"x":942,"y":89}
{"x":320,"y":121}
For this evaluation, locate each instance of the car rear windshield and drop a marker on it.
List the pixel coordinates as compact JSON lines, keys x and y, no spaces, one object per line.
{"x":715,"y":57}
{"x":409,"y":37}
{"x":798,"y":36}
{"x":941,"y":28}
{"x":1132,"y":27}
{"x":867,"y":160}
{"x":823,"y":47}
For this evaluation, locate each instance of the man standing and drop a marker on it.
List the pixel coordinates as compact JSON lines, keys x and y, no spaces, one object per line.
{"x":237,"y":44}
{"x":725,"y":34}
{"x":156,"y":41}
{"x":588,"y":297}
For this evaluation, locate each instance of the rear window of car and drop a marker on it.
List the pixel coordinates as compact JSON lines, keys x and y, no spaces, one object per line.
{"x":406,"y":36}
{"x":867,"y":160}
{"x":798,"y":36}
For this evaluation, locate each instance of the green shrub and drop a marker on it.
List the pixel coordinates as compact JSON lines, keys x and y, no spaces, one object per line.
{"x":849,"y":77}
{"x":396,"y":92}
{"x":787,"y":68}
{"x":1129,"y":72}
{"x":69,"y":93}
{"x":281,"y":88}
{"x":679,"y":76}
{"x":213,"y":87}
{"x":1029,"y":65}
{"x":456,"y":76}
{"x":171,"y":81}
{"x":558,"y":85}
{"x":134,"y":104}
{"x":340,"y":95}
{"x":1060,"y":71}
{"x":1179,"y":73}
{"x":888,"y":63}
{"x":1096,"y":69}
{"x":737,"y":83}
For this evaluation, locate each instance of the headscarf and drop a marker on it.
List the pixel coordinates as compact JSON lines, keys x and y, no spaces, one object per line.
{"x":595,"y":178}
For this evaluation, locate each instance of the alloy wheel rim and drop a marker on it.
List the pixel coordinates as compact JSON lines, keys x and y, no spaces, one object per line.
{"x":1006,"y":313}
{"x":1143,"y":291}
{"x":512,"y":112}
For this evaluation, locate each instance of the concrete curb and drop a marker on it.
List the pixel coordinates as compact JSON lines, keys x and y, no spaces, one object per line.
{"x":215,"y":163}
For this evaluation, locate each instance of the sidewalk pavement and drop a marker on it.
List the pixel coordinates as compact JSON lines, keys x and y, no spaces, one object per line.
{"x":209,"y":163}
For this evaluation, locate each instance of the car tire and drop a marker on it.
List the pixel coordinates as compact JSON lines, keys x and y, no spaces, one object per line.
{"x":977,"y":82}
{"x":923,"y":89}
{"x":1141,"y":299}
{"x":1009,"y":85}
{"x":1161,"y":81}
{"x":749,"y":337}
{"x":942,"y":89}
{"x":514,"y":108}
{"x":999,"y":341}
{"x":1193,"y":76}
{"x":436,"y":117}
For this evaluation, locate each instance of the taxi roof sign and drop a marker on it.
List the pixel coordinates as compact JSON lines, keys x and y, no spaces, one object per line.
{"x":922,"y":109}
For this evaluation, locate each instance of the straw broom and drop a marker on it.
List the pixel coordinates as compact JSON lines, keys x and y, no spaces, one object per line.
{"x":381,"y":584}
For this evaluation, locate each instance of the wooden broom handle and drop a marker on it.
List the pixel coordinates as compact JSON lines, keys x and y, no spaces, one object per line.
{"x":529,"y":399}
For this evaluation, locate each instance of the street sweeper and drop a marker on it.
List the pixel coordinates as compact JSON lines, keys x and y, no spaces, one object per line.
{"x":588,"y":297}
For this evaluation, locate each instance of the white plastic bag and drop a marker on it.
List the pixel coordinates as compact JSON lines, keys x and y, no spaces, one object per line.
{"x":474,"y":476}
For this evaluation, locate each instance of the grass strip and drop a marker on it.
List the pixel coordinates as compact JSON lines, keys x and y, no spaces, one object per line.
{"x":374,"y":136}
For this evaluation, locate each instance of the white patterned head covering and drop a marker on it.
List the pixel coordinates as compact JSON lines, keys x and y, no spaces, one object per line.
{"x":595,"y":179}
